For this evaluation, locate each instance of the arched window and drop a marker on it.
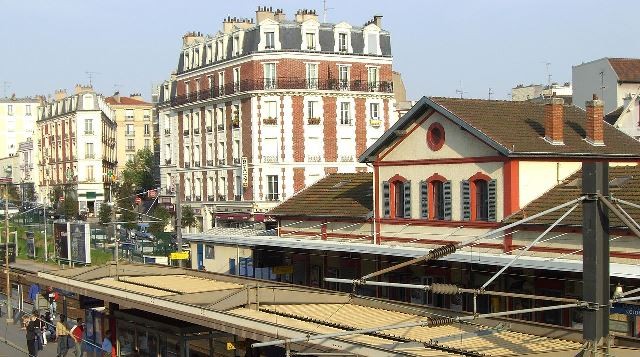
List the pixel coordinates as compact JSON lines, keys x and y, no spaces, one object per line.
{"x":479,"y":198}
{"x":396,"y":197}
{"x":435,"y":198}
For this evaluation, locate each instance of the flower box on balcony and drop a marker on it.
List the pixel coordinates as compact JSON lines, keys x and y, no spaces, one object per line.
{"x":375,"y":122}
{"x":187,"y":165}
{"x":167,"y":161}
{"x":313,"y":121}
{"x":210,"y":197}
{"x":185,"y":132}
{"x":235,"y":122}
{"x":196,"y":164}
{"x":270,"y":121}
{"x":196,"y":131}
{"x":209,"y":129}
{"x":209,"y":162}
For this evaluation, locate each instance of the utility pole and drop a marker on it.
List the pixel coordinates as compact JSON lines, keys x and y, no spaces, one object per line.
{"x":178,"y":220}
{"x":6,"y":252}
{"x":490,"y":92}
{"x":595,"y":271}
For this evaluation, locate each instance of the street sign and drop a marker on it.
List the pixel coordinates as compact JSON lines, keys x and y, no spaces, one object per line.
{"x":230,"y":346}
{"x":179,"y":255}
{"x":245,"y":171}
{"x":138,"y":200}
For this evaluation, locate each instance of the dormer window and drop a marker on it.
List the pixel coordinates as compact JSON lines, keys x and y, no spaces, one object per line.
{"x":236,"y":45}
{"x":311,"y":40}
{"x":219,"y":51}
{"x":343,"y":45}
{"x":269,"y":40}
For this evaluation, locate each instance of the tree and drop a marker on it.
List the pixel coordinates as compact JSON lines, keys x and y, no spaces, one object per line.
{"x":139,"y":170}
{"x":104,"y":215}
{"x":188,"y":217}
{"x":162,"y":214}
{"x":70,"y":204}
{"x":126,"y":200}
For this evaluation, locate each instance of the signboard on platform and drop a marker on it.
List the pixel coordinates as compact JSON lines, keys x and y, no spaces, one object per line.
{"x":72,"y":242}
{"x":12,"y":253}
{"x":179,"y":255}
{"x":60,"y":240}
{"x":31,"y":245}
{"x":244,"y":164}
{"x":625,"y":309}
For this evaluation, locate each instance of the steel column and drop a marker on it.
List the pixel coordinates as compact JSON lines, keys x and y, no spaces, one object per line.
{"x":595,"y":241}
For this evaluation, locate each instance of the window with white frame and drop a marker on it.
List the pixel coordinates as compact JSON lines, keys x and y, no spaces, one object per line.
{"x":88,"y":151}
{"x":345,"y":113}
{"x":28,"y":109}
{"x":219,"y":50}
{"x":90,"y":173}
{"x":209,"y":53}
{"x":236,"y":45}
{"x":343,"y":44}
{"x":343,"y":77}
{"x":221,"y":82}
{"x":131,"y":145}
{"x":269,"y":38}
{"x":209,"y":252}
{"x":187,"y":155}
{"x":209,"y":120}
{"x":312,"y":75}
{"x":311,"y":40}
{"x":372,"y":78}
{"x":167,"y":124}
{"x":147,"y":143}
{"x":222,"y":188}
{"x":270,"y":109}
{"x":221,"y":153}
{"x":10,"y":109}
{"x":372,"y":43}
{"x":374,"y":111}
{"x":146,"y":114}
{"x":147,"y":129}
{"x":270,"y":150}
{"x":269,"y":76}
{"x":186,"y":88}
{"x":312,"y":109}
{"x":236,"y":79}
{"x":273,"y":189}
{"x":167,"y":153}
{"x":129,"y":130}
{"x":88,"y":126}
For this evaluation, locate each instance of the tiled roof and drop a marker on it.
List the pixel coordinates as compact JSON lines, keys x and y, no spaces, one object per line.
{"x":519,"y":127}
{"x":627,"y":69}
{"x":336,"y":195}
{"x":126,"y":101}
{"x":624,"y":183}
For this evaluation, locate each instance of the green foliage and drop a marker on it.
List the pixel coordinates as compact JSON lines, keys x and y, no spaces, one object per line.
{"x":14,"y":196}
{"x":126,"y":202}
{"x":139,"y":171}
{"x":54,"y":198}
{"x":163,"y":215}
{"x":70,"y":204}
{"x":104,"y":215}
{"x":188,"y":217}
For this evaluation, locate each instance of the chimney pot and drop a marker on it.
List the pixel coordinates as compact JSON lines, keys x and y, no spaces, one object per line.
{"x":595,"y":121}
{"x":554,"y":121}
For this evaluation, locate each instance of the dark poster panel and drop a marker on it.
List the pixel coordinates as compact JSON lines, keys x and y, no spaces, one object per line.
{"x":12,"y":253}
{"x":31,"y":246}
{"x":60,"y":240}
{"x":79,"y":252}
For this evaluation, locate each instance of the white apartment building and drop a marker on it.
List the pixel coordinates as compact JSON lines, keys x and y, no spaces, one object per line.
{"x":260,"y":110}
{"x":77,"y":146}
{"x":17,"y":122}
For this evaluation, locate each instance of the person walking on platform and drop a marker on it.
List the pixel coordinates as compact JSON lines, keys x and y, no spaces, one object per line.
{"x":108,"y":350}
{"x":62,"y":333}
{"x":77,"y":333}
{"x":32,"y":336}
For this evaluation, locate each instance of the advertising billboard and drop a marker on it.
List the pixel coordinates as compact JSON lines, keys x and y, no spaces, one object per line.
{"x":31,"y":246}
{"x":72,"y":242}
{"x":60,"y":240}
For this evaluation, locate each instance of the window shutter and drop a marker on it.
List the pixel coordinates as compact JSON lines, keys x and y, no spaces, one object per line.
{"x":492,"y":198}
{"x":385,"y":199}
{"x":466,"y":200}
{"x":424,"y":199}
{"x":407,"y":199}
{"x":446,"y":190}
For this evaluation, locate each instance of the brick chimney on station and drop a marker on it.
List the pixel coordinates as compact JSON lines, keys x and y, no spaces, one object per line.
{"x":595,"y":121}
{"x":554,"y":121}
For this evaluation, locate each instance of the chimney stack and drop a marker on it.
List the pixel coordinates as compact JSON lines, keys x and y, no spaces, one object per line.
{"x":59,"y":94}
{"x":116,"y":97}
{"x":554,"y":121}
{"x":377,"y":20}
{"x":264,"y":13}
{"x":595,"y":124}
{"x":279,"y":15}
{"x":305,"y":14}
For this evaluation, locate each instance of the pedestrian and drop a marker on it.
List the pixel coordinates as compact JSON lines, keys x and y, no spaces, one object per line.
{"x":77,"y":333}
{"x":62,"y":334}
{"x":108,"y":350}
{"x":32,"y":336}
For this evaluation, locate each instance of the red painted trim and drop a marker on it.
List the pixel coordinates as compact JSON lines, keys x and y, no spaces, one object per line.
{"x":507,"y":243}
{"x":472,"y":192}
{"x":576,"y":159}
{"x":418,"y":124}
{"x":318,"y":219}
{"x":376,"y":205}
{"x":447,"y":161}
{"x":431,"y":140}
{"x":323,"y":231}
{"x":293,"y":233}
{"x":392,"y":193}
{"x":439,"y":223}
{"x":431,"y":192}
{"x":397,"y":178}
{"x":511,"y":187}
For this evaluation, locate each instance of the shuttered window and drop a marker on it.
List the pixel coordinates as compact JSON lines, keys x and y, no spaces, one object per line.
{"x":446,"y":193}
{"x":492,"y":199}
{"x":466,"y":200}
{"x":481,"y":200}
{"x":424,"y":200}
{"x":398,"y":199}
{"x":407,"y":200}
{"x":386,"y":208}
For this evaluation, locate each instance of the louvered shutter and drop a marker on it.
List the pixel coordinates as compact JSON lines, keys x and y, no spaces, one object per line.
{"x":466,"y":200}
{"x":407,"y":199}
{"x":385,"y":199}
{"x":446,"y":190}
{"x":492,"y":198}
{"x":424,"y":199}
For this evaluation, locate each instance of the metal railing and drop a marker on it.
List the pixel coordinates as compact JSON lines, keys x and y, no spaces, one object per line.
{"x":330,"y":84}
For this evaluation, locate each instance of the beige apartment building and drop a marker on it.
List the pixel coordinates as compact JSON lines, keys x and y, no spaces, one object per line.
{"x":134,"y":126}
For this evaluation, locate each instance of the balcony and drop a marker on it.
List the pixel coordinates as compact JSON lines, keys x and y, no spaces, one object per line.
{"x":185,"y":132}
{"x":187,"y":165}
{"x":89,"y":156}
{"x":168,"y":191}
{"x":313,"y":121}
{"x":236,"y":161}
{"x":235,"y":122}
{"x":209,"y":129}
{"x":220,"y":127}
{"x":222,"y":198}
{"x":167,"y":161}
{"x":88,"y":132}
{"x":346,"y":158}
{"x":270,"y":158}
{"x":129,"y":133}
{"x":196,"y":131}
{"x":187,"y":198}
{"x":237,"y":198}
{"x":196,"y":164}
{"x":211,"y":198}
{"x":130,"y":148}
{"x":314,"y":158}
{"x":375,"y":123}
{"x":167,"y":131}
{"x":222,"y":162}
{"x":209,"y":162}
{"x":270,"y":121}
{"x":197,"y":198}
{"x":286,"y":83}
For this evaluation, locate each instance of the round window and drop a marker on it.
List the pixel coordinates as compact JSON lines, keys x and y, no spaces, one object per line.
{"x":435,"y":136}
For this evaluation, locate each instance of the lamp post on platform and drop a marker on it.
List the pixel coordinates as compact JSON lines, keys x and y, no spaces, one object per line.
{"x":6,"y":181}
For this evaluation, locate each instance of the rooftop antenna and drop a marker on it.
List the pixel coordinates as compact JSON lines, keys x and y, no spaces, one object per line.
{"x":548,"y":65}
{"x":602,"y":86}
{"x":91,"y":74}
{"x":490,"y":92}
{"x":5,"y":85}
{"x":461,"y":90}
{"x":325,"y":9}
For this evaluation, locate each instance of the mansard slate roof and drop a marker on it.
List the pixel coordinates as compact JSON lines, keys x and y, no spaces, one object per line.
{"x":514,"y":129}
{"x":624,"y":183}
{"x":335,"y":195}
{"x":627,"y":69}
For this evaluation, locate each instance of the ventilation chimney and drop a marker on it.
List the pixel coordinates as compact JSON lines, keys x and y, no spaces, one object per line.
{"x":116,"y":97}
{"x":554,"y":121}
{"x":59,"y":94}
{"x":264,"y":13}
{"x":279,"y":15}
{"x":595,"y":124}
{"x":305,"y":14}
{"x":377,"y":20}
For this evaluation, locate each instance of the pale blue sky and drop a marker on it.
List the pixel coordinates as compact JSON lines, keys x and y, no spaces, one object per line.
{"x":436,"y":44}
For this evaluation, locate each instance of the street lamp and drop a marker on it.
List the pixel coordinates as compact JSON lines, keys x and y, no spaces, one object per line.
{"x":7,"y":181}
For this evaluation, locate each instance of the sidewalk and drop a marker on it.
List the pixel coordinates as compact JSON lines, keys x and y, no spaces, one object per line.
{"x":13,"y":341}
